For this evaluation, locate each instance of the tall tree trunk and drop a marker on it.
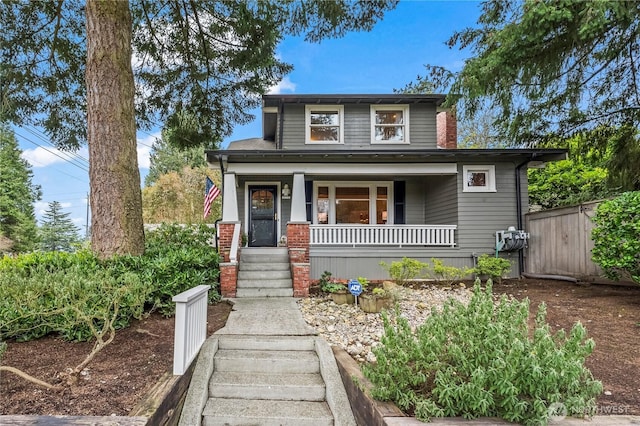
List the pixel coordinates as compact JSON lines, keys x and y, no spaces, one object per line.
{"x":116,"y":201}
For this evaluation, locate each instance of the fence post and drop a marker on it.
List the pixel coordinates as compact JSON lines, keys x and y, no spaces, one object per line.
{"x":190,"y":326}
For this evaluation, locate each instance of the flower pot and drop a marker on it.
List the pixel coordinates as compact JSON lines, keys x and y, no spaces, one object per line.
{"x":373,"y":304}
{"x":341,"y":298}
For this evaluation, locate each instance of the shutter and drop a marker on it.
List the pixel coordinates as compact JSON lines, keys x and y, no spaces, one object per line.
{"x":308,"y":197}
{"x":399,"y":202}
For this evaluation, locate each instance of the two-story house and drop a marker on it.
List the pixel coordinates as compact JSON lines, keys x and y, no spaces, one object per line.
{"x":346,"y":181}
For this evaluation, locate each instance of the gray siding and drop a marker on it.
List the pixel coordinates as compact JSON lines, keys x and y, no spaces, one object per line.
{"x":347,"y":263}
{"x":480,"y":215}
{"x":441,"y":201}
{"x":414,"y":202}
{"x":357,"y":129}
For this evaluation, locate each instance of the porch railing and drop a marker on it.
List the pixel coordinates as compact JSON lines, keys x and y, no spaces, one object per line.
{"x":190,"y":326}
{"x":383,"y":235}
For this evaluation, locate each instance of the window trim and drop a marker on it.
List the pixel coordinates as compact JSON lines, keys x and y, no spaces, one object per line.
{"x":405,"y":113}
{"x":360,"y":184}
{"x":490,"y":171}
{"x":307,"y":123}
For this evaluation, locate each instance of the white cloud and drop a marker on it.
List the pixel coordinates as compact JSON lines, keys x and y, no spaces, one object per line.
{"x":285,"y":85}
{"x":144,"y":149}
{"x":79,"y":220}
{"x":41,"y":157}
{"x":40,"y":207}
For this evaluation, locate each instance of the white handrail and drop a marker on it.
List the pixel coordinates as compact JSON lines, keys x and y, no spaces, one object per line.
{"x":383,"y":235}
{"x":190,"y":326}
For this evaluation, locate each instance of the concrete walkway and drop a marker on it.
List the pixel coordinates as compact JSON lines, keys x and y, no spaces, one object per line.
{"x":265,"y":331}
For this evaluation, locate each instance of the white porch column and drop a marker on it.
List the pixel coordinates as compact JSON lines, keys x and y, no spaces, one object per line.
{"x":230,"y":199}
{"x":298,"y":200}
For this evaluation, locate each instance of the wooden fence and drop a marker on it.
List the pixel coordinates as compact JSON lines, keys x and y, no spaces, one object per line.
{"x":561,"y":241}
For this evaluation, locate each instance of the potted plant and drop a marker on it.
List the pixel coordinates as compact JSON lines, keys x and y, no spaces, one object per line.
{"x":377,"y":300}
{"x":337,"y":291}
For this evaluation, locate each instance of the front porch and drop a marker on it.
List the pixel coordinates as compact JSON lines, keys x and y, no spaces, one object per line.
{"x":371,"y":209}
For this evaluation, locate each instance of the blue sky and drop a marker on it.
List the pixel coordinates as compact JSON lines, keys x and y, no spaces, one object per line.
{"x":388,"y":57}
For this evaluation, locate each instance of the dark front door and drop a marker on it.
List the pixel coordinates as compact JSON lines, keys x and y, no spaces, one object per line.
{"x":262,"y":216}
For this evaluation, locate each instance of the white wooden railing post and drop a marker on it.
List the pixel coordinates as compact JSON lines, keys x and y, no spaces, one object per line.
{"x":190,"y":326}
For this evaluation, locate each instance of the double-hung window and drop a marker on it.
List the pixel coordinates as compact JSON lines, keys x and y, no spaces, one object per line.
{"x":324,"y":124}
{"x":389,"y":124}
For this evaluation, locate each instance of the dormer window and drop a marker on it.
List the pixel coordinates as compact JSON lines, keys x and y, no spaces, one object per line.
{"x":389,"y":124}
{"x":324,"y":124}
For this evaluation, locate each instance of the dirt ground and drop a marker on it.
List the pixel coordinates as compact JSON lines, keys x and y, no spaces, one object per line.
{"x":611,"y":315}
{"x":120,"y":376}
{"x":113,"y":383}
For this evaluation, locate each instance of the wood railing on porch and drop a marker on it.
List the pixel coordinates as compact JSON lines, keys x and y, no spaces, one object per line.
{"x":383,"y":235}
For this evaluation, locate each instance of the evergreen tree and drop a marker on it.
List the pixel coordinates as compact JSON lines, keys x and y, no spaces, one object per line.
{"x":166,"y":157}
{"x":57,"y":233}
{"x":17,"y":195}
{"x":67,"y":66}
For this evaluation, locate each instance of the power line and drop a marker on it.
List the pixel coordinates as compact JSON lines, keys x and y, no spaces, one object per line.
{"x":69,"y":160}
{"x":43,"y":137}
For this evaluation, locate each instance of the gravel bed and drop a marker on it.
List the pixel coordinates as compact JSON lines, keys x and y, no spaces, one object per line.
{"x":358,"y":332}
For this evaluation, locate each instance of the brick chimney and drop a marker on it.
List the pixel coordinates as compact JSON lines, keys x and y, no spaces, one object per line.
{"x":447,"y":130}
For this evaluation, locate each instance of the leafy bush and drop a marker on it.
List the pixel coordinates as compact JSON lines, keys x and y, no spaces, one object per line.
{"x":478,"y":360}
{"x":50,"y":261}
{"x":448,"y":274}
{"x":176,"y":259}
{"x":405,"y":270}
{"x":617,"y":237}
{"x":69,"y":293}
{"x":68,"y":301}
{"x":494,"y":267}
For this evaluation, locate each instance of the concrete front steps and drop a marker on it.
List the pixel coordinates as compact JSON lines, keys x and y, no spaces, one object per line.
{"x":267,"y":380}
{"x":264,"y":272}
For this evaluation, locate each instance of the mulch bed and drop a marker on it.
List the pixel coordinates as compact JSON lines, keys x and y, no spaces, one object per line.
{"x":112,"y":384}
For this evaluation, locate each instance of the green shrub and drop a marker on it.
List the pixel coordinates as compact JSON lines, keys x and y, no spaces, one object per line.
{"x":68,"y":293}
{"x":494,"y":267}
{"x":405,"y":270}
{"x":616,"y":237}
{"x":478,"y":360}
{"x":176,"y":259}
{"x":50,"y":261}
{"x":445,"y":273}
{"x":68,"y":302}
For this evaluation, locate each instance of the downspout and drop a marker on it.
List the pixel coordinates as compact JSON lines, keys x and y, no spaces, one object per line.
{"x":519,"y":211}
{"x":280,"y":123}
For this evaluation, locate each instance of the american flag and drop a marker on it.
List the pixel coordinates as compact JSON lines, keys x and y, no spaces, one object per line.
{"x":211,"y":191}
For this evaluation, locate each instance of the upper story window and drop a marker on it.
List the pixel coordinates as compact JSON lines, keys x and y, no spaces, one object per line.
{"x":389,"y":124}
{"x":324,"y":124}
